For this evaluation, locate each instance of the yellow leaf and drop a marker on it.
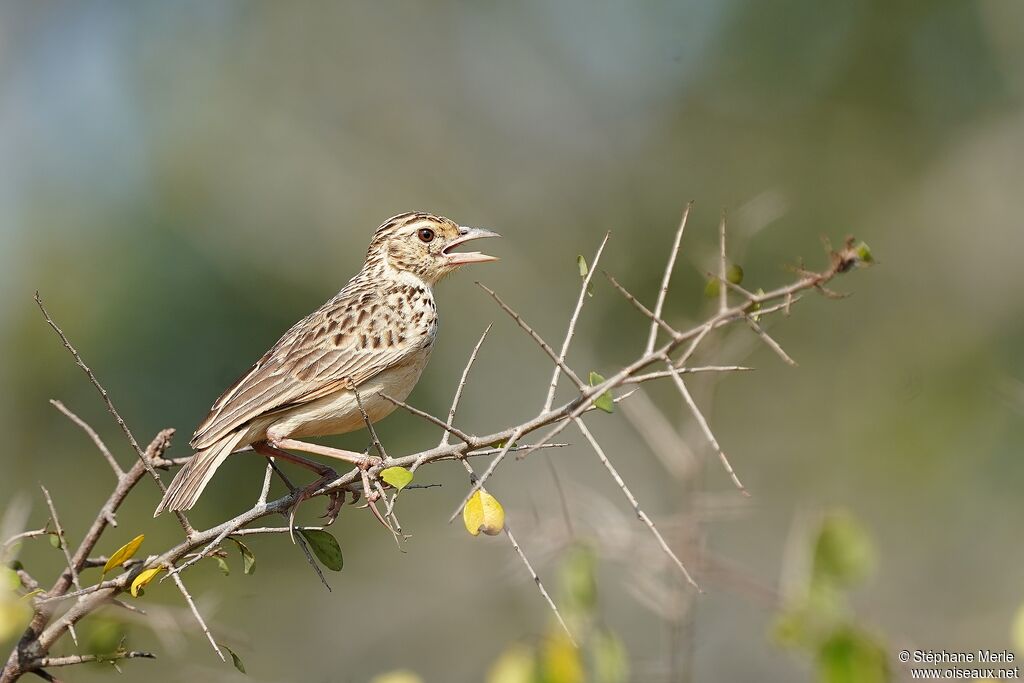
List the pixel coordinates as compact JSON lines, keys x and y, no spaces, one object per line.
{"x":561,"y":661}
{"x":400,"y":676}
{"x":124,"y":553}
{"x":483,"y":513}
{"x":144,"y":578}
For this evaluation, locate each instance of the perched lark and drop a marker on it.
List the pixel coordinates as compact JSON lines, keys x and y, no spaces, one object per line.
{"x":374,"y":337}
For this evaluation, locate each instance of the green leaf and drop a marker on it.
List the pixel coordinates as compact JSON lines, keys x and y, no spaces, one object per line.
{"x":609,"y":658}
{"x":604,"y":401}
{"x":843,"y":551}
{"x":55,"y":540}
{"x":581,"y":263}
{"x":399,"y":477}
{"x":222,"y":564}
{"x":102,"y":635}
{"x":248,"y":559}
{"x":711,"y":289}
{"x":734,"y":274}
{"x":852,"y":656}
{"x":325,"y":547}
{"x":578,"y":580}
{"x":124,"y":553}
{"x":235,"y":659}
{"x":864,"y":252}
{"x":9,"y":579}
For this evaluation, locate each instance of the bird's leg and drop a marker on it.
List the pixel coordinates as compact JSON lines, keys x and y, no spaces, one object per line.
{"x":357,"y":459}
{"x":327,"y":475}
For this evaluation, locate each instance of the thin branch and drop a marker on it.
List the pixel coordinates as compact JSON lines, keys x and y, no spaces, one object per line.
{"x":685,"y":393}
{"x":633,"y":501}
{"x":529,"y":567}
{"x":770,"y":342}
{"x":369,"y":424}
{"x":661,"y":437}
{"x":672,"y":332}
{"x":35,"y":533}
{"x":71,"y":660}
{"x":430,"y":418}
{"x":91,"y":434}
{"x":545,"y":347}
{"x":487,"y":473}
{"x":540,"y":585}
{"x":197,"y":615}
{"x":300,"y":539}
{"x":64,"y":547}
{"x":649,"y":376}
{"x":265,"y":488}
{"x":462,"y":385}
{"x":572,"y":322}
{"x":723,"y":294}
{"x":111,"y":409}
{"x":666,"y":278}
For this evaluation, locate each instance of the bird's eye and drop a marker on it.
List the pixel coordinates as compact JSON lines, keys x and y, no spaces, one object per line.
{"x":426,"y":235}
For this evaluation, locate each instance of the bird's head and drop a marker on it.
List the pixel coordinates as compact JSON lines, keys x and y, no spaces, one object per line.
{"x":423,"y":244}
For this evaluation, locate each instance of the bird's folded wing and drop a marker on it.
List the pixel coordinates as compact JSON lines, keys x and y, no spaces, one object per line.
{"x":306,"y":364}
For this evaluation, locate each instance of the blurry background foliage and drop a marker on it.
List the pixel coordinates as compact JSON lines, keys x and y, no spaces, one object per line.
{"x":182,"y":181}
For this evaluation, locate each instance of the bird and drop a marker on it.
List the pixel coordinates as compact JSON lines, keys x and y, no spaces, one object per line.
{"x":370,"y":341}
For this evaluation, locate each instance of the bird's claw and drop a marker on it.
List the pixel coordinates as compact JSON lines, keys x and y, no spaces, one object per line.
{"x":333,"y":507}
{"x":337,"y":499}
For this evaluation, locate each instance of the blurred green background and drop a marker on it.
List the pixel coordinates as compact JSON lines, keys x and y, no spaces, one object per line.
{"x":182,"y":181}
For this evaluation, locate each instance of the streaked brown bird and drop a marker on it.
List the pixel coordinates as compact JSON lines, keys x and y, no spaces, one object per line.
{"x":374,"y":337}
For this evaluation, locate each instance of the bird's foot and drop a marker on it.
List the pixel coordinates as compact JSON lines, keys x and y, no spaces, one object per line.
{"x":336,"y":499}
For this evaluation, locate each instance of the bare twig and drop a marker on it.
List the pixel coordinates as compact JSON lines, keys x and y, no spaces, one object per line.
{"x":545,"y":347}
{"x":672,"y":332}
{"x":461,"y":386}
{"x":540,"y":585}
{"x":529,"y":567}
{"x":369,"y":424}
{"x":666,"y":278}
{"x":91,"y":434}
{"x":723,"y":269}
{"x":685,"y":393}
{"x":52,"y":662}
{"x":633,"y":501}
{"x":429,"y":418}
{"x":110,"y":408}
{"x":64,"y":548}
{"x":487,"y":473}
{"x":197,"y":615}
{"x":572,"y":323}
{"x":771,"y":343}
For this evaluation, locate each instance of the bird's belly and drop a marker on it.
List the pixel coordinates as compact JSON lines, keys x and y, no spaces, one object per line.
{"x":339,"y":413}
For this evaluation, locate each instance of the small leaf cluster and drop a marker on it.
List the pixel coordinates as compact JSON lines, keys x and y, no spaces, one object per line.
{"x":820,"y":621}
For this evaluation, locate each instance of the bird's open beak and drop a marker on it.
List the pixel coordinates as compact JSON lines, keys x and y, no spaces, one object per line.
{"x":466,"y":235}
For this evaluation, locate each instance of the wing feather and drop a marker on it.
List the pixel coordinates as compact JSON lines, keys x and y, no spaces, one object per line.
{"x":304,"y":365}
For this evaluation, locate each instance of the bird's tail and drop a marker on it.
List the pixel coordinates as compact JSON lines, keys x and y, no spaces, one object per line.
{"x":190,"y":481}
